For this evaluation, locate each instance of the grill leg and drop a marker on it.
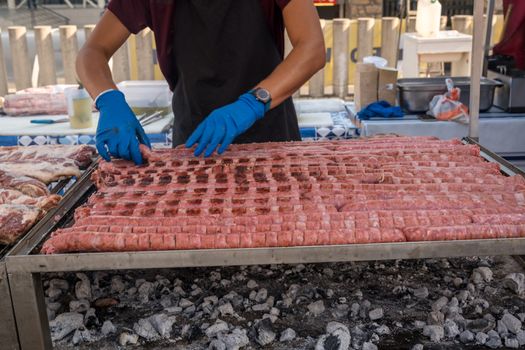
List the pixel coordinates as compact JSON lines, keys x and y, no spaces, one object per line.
{"x":8,"y":336}
{"x":30,"y":311}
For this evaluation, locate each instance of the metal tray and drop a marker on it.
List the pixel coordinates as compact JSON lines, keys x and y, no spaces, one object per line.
{"x":414,"y":94}
{"x":25,"y":265}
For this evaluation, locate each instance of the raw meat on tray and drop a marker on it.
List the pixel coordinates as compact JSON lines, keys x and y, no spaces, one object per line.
{"x":24,"y":184}
{"x":15,"y":219}
{"x":375,"y":190}
{"x":82,"y":155}
{"x":25,"y":173}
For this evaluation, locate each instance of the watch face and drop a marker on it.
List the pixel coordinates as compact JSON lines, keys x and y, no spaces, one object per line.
{"x":262,"y":95}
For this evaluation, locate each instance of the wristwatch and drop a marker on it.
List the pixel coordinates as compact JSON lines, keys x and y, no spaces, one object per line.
{"x":263,"y":96}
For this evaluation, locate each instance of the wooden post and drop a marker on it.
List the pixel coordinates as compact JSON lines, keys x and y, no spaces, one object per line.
{"x":443,"y":23}
{"x":69,"y":48}
{"x":365,"y":86}
{"x":20,"y":57}
{"x":145,"y":55}
{"x":316,"y":84}
{"x":411,"y":24}
{"x":88,"y":29}
{"x":3,"y":70}
{"x":120,"y":64}
{"x":463,"y":24}
{"x":390,"y":39}
{"x":365,"y":37}
{"x":46,"y":55}
{"x":341,"y":28}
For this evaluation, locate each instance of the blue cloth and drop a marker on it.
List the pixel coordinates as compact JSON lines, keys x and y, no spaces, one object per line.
{"x":118,"y":130}
{"x":380,"y":109}
{"x":224,"y":124}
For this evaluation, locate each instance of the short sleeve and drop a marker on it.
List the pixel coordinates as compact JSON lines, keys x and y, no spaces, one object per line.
{"x":282,"y":3}
{"x":134,"y":14}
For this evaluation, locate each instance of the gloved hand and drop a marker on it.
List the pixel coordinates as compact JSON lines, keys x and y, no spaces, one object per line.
{"x":224,"y":124}
{"x":118,"y":128}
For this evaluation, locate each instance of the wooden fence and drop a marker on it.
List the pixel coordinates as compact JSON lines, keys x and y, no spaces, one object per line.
{"x":347,"y":42}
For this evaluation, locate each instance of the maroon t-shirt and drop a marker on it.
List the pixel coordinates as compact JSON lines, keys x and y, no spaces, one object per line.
{"x":158,"y":15}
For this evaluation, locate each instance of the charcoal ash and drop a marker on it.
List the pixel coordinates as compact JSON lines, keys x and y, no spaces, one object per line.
{"x":195,"y":307}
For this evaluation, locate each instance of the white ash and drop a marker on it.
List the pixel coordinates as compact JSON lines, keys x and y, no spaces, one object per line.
{"x":451,"y":329}
{"x":82,"y":336}
{"x":126,"y":338}
{"x":482,"y":274}
{"x":218,"y":327}
{"x":337,"y":337}
{"x":421,"y":293}
{"x":265,"y":333}
{"x":521,"y":338}
{"x":494,"y":340}
{"x":316,"y":308}
{"x":163,"y":324}
{"x":64,"y":324}
{"x":83,"y":287}
{"x":252,"y":284}
{"x":466,"y":336}
{"x":108,"y":328}
{"x":376,"y":314}
{"x":287,"y":335}
{"x":145,"y":329}
{"x":434,"y":332}
{"x":481,"y":338}
{"x":79,"y":305}
{"x":515,"y":282}
{"x":512,"y":323}
{"x":369,"y":346}
{"x":512,"y":343}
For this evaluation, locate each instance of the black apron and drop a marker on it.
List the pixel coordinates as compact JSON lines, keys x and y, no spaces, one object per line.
{"x":222,"y":49}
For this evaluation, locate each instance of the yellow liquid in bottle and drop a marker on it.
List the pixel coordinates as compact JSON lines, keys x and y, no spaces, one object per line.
{"x":82,"y":117}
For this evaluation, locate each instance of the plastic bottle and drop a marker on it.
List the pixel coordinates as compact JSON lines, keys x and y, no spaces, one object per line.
{"x":79,"y":108}
{"x":428,"y":18}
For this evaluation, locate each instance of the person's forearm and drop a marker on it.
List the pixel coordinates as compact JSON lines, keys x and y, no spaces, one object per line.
{"x":94,"y":72}
{"x":302,"y":62}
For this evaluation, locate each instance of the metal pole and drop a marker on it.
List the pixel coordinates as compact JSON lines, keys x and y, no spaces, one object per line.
{"x":488,"y":38}
{"x":476,"y":69}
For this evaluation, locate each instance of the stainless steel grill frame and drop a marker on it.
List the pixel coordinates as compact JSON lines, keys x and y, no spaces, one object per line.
{"x":25,"y":267}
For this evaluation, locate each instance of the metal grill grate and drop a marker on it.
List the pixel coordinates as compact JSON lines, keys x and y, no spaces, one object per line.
{"x":296,"y":194}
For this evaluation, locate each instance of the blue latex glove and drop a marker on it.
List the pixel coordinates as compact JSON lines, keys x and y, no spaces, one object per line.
{"x":119,"y":130}
{"x":224,"y":124}
{"x":380,"y":109}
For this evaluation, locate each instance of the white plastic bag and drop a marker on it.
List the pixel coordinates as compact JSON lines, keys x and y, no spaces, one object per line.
{"x":448,"y":107}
